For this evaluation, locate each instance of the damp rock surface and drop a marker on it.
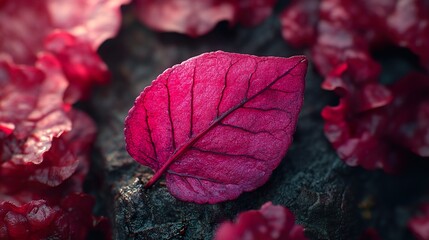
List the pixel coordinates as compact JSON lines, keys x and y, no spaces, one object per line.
{"x":324,"y":194}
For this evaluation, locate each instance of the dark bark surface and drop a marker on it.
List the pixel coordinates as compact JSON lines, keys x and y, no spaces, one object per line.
{"x":331,"y":200}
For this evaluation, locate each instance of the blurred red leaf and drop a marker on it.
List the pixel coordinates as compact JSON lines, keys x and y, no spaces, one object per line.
{"x":41,"y":116}
{"x":409,"y":114}
{"x":299,"y":22}
{"x":70,"y":218}
{"x":80,"y":64}
{"x":196,"y":18}
{"x":217,"y":124}
{"x":90,"y":21}
{"x":70,"y":30}
{"x":380,"y":138}
{"x":337,"y":32}
{"x":419,"y":225}
{"x":44,"y":141}
{"x":269,"y":223}
{"x":253,"y":12}
{"x":356,"y":127}
{"x":341,"y":41}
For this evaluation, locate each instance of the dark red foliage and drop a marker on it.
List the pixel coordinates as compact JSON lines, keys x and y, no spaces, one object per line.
{"x":79,"y":142}
{"x":14,"y":81}
{"x":70,"y":30}
{"x":419,"y":225}
{"x":252,"y":12}
{"x":45,"y":143}
{"x":408,"y":26}
{"x":379,"y":138}
{"x":409,"y":114}
{"x":39,"y":117}
{"x":190,"y":17}
{"x":341,"y":41}
{"x":17,"y":22}
{"x":299,"y":22}
{"x":83,"y":71}
{"x":45,"y":148}
{"x":360,"y":139}
{"x":356,"y":134}
{"x":33,"y":134}
{"x":70,"y":218}
{"x":66,"y":162}
{"x":218,"y":124}
{"x":42,"y":141}
{"x":196,"y":18}
{"x":340,"y":25}
{"x":269,"y":223}
{"x":90,"y":21}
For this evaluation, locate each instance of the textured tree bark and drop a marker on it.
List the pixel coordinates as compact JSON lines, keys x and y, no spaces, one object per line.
{"x":322,"y":192}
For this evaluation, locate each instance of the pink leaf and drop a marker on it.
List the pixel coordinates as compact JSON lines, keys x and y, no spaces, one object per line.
{"x":269,"y":223}
{"x":218,"y":124}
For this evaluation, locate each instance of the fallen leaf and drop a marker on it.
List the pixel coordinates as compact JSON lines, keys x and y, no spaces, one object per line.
{"x":218,"y":124}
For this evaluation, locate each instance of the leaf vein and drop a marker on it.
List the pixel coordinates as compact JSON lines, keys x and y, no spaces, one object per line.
{"x":226,"y":154}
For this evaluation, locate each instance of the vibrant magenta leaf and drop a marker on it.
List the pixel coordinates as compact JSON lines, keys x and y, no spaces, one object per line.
{"x":196,"y":18}
{"x":269,"y":223}
{"x":218,"y":124}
